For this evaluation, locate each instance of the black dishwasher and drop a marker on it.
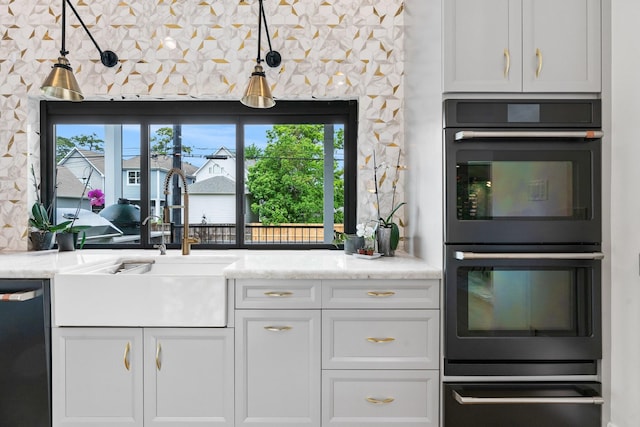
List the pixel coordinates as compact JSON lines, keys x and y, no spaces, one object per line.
{"x":25,"y":353}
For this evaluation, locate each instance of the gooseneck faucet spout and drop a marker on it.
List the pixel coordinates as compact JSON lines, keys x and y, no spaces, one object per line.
{"x":162,"y":246}
{"x":186,"y":240}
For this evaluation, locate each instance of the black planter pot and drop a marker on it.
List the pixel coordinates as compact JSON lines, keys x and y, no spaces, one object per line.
{"x":41,"y":240}
{"x":66,"y":241}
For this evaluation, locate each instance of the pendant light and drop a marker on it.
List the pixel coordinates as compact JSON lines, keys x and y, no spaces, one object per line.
{"x":61,"y":83}
{"x":258,"y":94}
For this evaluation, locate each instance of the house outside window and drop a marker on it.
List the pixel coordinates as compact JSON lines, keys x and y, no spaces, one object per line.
{"x":278,"y":178}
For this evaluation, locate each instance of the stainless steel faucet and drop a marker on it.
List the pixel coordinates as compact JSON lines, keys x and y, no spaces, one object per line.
{"x":186,"y":240}
{"x":162,"y":246}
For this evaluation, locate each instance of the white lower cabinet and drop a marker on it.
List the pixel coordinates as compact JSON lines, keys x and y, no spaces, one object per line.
{"x":363,"y":398}
{"x":190,"y":378}
{"x":278,"y":368}
{"x":380,"y":353}
{"x":97,"y":377}
{"x":306,"y":353}
{"x":109,"y":377}
{"x":365,"y":354}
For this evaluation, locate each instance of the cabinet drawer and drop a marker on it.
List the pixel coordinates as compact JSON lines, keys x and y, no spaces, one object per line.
{"x":380,"y":339}
{"x":380,"y":398}
{"x":380,"y":293}
{"x":277,"y":294}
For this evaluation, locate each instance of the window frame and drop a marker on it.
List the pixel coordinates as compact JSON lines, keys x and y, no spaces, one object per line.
{"x":185,"y":112}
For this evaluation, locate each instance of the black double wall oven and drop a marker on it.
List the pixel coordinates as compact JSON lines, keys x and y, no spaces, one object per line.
{"x":522,"y":298}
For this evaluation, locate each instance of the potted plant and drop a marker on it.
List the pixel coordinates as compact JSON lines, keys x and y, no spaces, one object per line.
{"x":388,"y":233}
{"x":368,"y":233}
{"x":351,"y":242}
{"x":42,"y":230}
{"x":67,"y":238}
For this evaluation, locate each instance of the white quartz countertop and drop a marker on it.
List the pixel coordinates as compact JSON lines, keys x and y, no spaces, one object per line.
{"x":281,"y":264}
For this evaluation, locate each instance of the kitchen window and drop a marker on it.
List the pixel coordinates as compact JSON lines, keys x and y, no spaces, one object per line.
{"x":270,"y":179}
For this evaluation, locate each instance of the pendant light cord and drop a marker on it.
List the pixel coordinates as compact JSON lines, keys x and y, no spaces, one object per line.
{"x":266,"y":27}
{"x":63,"y":50}
{"x":83,"y":26}
{"x":259,"y":60}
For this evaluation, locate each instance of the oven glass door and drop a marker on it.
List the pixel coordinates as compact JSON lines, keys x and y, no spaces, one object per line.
{"x":522,"y":190}
{"x":522,"y":306}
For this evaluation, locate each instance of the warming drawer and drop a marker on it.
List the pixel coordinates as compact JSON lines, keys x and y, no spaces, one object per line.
{"x":522,"y":404}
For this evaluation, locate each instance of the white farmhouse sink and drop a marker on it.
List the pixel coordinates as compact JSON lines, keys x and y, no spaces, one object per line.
{"x":144,"y":291}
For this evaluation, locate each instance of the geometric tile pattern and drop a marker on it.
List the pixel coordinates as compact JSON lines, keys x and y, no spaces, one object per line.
{"x":176,"y":49}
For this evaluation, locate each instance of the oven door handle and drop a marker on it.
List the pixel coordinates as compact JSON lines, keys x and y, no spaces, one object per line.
{"x":470,"y":400}
{"x":583,"y":134}
{"x":515,"y":255}
{"x":21,"y":296}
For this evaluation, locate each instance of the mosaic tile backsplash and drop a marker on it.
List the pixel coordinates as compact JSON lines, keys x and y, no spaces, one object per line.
{"x":184,"y":49}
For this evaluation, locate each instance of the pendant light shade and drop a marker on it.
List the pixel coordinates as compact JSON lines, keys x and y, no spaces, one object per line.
{"x":258,"y":93}
{"x":61,"y":83}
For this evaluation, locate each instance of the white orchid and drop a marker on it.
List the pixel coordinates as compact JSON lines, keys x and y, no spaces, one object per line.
{"x":366,"y":231}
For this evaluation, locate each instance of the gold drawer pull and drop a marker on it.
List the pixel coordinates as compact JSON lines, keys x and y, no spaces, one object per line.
{"x":127,"y":350}
{"x":380,"y":401}
{"x":278,"y":294}
{"x":278,"y":328}
{"x":381,"y":293}
{"x":158,"y":351}
{"x":380,"y":340}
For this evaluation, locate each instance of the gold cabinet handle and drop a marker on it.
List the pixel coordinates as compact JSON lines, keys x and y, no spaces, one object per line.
{"x":158,"y":352}
{"x":127,"y":350}
{"x":539,"y":56}
{"x":380,"y":340}
{"x":278,"y":328}
{"x":278,"y":294}
{"x":507,"y":62}
{"x":381,"y":293}
{"x":380,"y":401}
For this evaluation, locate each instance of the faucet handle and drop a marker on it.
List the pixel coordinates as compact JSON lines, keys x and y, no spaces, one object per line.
{"x":162,"y":247}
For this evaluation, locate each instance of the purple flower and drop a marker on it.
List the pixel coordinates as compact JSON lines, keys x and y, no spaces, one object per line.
{"x":96,"y":197}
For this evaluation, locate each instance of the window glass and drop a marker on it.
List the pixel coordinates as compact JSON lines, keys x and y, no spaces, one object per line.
{"x":283,"y":177}
{"x":206,"y":155}
{"x":91,"y":164}
{"x":295,"y":183}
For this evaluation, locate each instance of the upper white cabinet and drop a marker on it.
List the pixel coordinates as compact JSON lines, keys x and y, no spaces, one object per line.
{"x":522,"y":46}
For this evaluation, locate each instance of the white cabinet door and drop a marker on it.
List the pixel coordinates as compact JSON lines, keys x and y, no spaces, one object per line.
{"x":188,"y":377}
{"x":482,"y":46}
{"x":561,"y":46}
{"x":278,"y":368}
{"x":522,"y":45}
{"x":97,"y":377}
